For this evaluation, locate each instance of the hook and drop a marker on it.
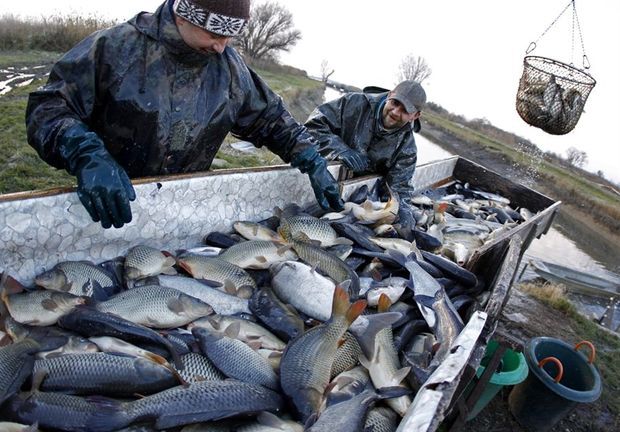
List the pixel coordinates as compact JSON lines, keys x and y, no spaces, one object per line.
{"x":530,"y":48}
{"x":586,"y":62}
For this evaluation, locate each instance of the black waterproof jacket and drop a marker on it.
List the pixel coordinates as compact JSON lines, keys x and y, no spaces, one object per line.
{"x":159,"y":106}
{"x":354,"y":121}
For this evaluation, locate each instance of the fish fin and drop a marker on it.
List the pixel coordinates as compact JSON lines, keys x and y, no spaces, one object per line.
{"x":302,"y":237}
{"x":167,"y":254}
{"x":341,"y":342}
{"x":232,"y":331}
{"x":10,"y":285}
{"x":275,"y":354}
{"x":155,"y":358}
{"x":343,"y":241}
{"x":49,"y":304}
{"x":210,"y":283}
{"x":170,"y":271}
{"x":245,"y":291}
{"x":285,"y":230}
{"x":401,"y":374}
{"x":384,"y":303}
{"x":175,"y":305}
{"x":366,"y":335}
{"x":230,"y":287}
{"x":107,"y":415}
{"x":375,"y":275}
{"x":37,"y":379}
{"x":185,"y":267}
{"x":356,"y":310}
{"x":270,"y":420}
{"x":393,"y":392}
{"x":365,"y":362}
{"x":254,"y":344}
{"x":261,"y":259}
{"x":340,"y":302}
{"x":282,"y":249}
{"x":310,"y":421}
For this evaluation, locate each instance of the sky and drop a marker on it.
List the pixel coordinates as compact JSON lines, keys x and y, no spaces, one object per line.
{"x":475,"y":49}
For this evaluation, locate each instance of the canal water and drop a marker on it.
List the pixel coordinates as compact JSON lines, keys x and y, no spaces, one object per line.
{"x":554,"y":246}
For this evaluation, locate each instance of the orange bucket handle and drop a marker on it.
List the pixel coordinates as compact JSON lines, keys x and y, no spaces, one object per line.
{"x":592,"y":350}
{"x":557,"y":362}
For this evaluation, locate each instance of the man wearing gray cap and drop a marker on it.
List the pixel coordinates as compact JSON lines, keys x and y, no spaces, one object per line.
{"x":372,"y":131}
{"x":157,"y":95}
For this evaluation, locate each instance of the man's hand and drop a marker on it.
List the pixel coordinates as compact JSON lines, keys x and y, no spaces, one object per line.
{"x":103,"y":185}
{"x":324,"y":185}
{"x":354,"y":160}
{"x":105,"y":189}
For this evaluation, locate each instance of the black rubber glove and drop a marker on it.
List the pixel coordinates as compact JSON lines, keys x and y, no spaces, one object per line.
{"x":103,"y":185}
{"x":405,"y":215}
{"x":324,"y":185}
{"x":354,"y":160}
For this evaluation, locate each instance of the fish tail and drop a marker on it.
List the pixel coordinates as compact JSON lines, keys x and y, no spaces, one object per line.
{"x":342,"y":307}
{"x":384,"y":303}
{"x":109,"y":415}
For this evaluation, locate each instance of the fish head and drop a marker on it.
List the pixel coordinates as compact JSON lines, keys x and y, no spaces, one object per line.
{"x":54,"y":279}
{"x":191,"y":307}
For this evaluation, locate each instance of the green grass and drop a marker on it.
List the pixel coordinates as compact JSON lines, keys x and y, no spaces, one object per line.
{"x":18,"y":58}
{"x":20,"y":166}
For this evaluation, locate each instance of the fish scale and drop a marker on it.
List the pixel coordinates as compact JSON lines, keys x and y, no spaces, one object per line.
{"x":257,"y":254}
{"x":203,"y":401}
{"x":82,"y":278}
{"x":150,"y":305}
{"x":142,"y":261}
{"x":54,"y":410}
{"x":236,"y":359}
{"x":103,"y":373}
{"x":315,"y":229}
{"x":41,"y":307}
{"x":199,"y":368}
{"x":15,"y":364}
{"x":218,"y":270}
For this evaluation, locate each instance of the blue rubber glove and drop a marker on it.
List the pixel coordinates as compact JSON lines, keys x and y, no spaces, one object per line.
{"x":103,"y":185}
{"x":324,"y":185}
{"x":354,"y":160}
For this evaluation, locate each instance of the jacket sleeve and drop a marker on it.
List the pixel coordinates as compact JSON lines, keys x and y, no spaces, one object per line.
{"x":264,"y":121}
{"x":325,"y":124}
{"x":400,"y":176}
{"x":65,"y":101}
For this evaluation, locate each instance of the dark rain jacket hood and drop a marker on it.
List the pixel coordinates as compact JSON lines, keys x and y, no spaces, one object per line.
{"x":159,"y":106}
{"x":354,"y":121}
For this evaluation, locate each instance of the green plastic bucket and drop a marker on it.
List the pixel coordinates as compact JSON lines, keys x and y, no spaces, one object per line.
{"x":512,"y":370}
{"x":561,"y":377}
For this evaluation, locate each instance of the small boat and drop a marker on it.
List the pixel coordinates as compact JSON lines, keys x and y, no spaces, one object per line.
{"x":577,"y":281}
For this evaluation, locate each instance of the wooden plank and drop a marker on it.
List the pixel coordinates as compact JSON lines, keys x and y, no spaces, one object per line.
{"x":431,"y":403}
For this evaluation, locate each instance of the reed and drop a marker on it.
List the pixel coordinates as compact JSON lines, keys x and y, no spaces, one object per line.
{"x":47,"y":33}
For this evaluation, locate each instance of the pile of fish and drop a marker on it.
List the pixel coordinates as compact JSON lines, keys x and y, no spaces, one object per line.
{"x":297,"y":322}
{"x":546,"y":104}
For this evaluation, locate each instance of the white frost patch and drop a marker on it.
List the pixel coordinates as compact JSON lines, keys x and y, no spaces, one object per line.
{"x":25,"y":83}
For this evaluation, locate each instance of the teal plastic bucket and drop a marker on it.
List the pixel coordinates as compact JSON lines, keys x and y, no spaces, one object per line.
{"x":512,"y":370}
{"x":561,"y":376}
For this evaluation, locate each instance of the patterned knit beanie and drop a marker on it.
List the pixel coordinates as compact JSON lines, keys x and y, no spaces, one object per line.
{"x":223,"y":17}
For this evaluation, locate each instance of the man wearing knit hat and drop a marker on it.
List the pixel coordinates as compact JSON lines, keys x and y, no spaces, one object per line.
{"x":372,"y":132}
{"x":158,"y":95}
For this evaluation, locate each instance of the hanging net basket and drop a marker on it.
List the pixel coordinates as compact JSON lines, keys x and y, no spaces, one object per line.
{"x":552,"y":94}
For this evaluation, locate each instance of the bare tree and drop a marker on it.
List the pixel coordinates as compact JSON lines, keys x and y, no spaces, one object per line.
{"x":269,"y":31}
{"x":576,"y":157}
{"x":325,"y":72}
{"x":413,"y":68}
